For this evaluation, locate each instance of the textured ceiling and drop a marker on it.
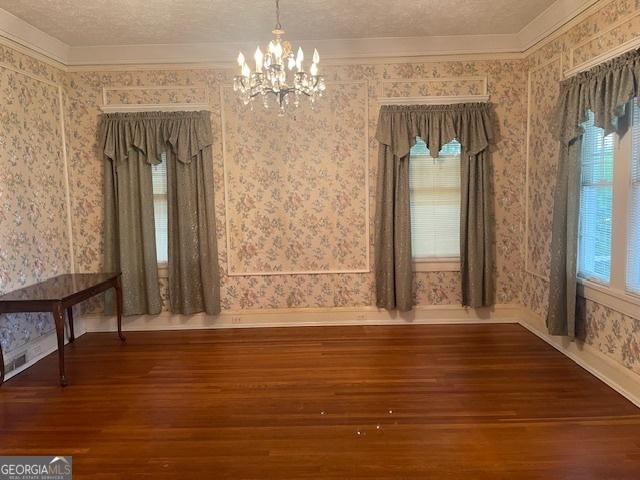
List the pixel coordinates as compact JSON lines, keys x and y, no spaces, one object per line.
{"x":127,"y":22}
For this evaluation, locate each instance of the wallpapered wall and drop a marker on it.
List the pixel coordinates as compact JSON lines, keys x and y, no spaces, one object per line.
{"x":341,"y":178}
{"x":34,"y":233}
{"x":329,"y":173}
{"x":615,"y":22}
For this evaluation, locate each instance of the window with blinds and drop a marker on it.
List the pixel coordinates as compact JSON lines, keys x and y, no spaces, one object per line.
{"x":435,"y":202}
{"x":161,"y":209}
{"x":596,"y":201}
{"x":633,"y":244}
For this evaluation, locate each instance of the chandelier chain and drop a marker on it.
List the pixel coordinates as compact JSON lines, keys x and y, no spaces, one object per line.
{"x":278,"y":25}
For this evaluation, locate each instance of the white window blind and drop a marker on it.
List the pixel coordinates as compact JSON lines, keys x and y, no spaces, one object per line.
{"x":633,"y":244}
{"x":435,"y":201}
{"x":160,"y":209}
{"x":596,"y":196}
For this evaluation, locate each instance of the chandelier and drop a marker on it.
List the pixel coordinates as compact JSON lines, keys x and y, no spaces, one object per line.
{"x":279,"y":74}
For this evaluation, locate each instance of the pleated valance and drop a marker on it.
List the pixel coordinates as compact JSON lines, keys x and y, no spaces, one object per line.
{"x":470,"y":123}
{"x":604,"y":90}
{"x":188,"y":133}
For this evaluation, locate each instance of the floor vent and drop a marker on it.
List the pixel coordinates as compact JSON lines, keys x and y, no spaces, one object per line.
{"x":17,"y":362}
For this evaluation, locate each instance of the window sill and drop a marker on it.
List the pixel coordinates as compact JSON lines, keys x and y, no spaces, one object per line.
{"x":619,"y":300}
{"x":163,"y":270}
{"x":436,"y":265}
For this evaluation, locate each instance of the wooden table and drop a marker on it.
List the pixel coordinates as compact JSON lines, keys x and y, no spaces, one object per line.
{"x":57,"y":295}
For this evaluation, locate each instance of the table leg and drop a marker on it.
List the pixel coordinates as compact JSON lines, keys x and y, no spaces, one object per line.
{"x":1,"y":365}
{"x":70,"y":317}
{"x":118,"y":288}
{"x":58,"y":317}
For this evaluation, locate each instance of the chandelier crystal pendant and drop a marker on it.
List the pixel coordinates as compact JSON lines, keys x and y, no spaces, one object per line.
{"x":279,"y":73}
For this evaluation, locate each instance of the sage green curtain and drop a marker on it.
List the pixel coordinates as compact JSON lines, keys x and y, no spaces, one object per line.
{"x":392,"y":248}
{"x":605,"y":90}
{"x":398,"y":126}
{"x":132,"y":142}
{"x":129,"y":231}
{"x":476,"y":235}
{"x":194,"y":279}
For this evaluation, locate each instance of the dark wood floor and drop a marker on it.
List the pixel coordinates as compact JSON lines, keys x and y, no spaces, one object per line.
{"x":417,"y":402}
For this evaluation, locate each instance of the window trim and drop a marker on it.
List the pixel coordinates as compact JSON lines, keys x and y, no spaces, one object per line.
{"x":163,"y":270}
{"x":619,"y":300}
{"x":436,"y":264}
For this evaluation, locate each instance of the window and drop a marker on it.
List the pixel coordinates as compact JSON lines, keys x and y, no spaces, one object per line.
{"x":596,"y":204}
{"x":160,"y":209}
{"x":633,"y":248}
{"x":609,"y":229}
{"x":434,"y":185}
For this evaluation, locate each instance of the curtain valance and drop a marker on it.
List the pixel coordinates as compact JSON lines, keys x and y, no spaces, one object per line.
{"x":437,"y":125}
{"x":188,"y":133}
{"x":604,"y":90}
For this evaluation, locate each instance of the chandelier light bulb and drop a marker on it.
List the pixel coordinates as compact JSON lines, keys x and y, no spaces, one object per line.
{"x":314,"y":69}
{"x":246,"y":71}
{"x":277,"y":50}
{"x":258,"y":57}
{"x":316,"y":56}
{"x":240,"y":59}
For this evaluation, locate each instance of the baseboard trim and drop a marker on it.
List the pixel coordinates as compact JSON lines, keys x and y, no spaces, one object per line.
{"x":617,"y":376}
{"x":308,"y":317}
{"x":609,"y":371}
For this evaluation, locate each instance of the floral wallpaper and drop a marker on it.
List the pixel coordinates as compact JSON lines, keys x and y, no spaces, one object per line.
{"x":433,"y":86}
{"x":310,"y":196}
{"x":542,"y":151}
{"x":34,"y":241}
{"x":614,"y":23}
{"x":611,"y":332}
{"x":607,"y":40}
{"x":296,"y":200}
{"x":137,"y":96}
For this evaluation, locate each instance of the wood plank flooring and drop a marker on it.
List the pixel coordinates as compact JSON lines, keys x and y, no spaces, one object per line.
{"x":413,"y":402}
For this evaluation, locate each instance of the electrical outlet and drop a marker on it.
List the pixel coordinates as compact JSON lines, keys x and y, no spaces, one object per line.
{"x":236,"y":320}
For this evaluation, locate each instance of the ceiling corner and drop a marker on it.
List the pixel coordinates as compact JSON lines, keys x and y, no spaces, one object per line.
{"x":551,"y":19}
{"x":25,"y":34}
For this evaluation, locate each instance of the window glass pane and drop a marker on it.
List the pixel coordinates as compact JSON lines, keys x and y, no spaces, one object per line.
{"x":596,"y":201}
{"x":435,"y":201}
{"x":633,"y":255}
{"x":160,"y":208}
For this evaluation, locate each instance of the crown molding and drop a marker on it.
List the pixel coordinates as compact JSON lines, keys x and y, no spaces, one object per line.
{"x":17,"y":30}
{"x":551,"y":19}
{"x":223,"y":54}
{"x":334,"y":51}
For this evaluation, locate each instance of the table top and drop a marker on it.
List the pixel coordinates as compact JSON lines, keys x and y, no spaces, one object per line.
{"x":58,"y":288}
